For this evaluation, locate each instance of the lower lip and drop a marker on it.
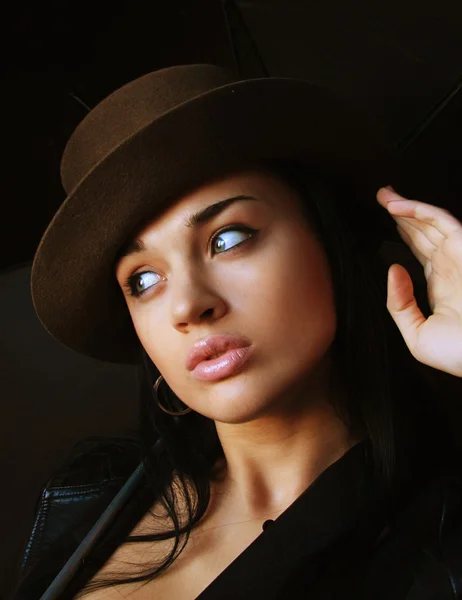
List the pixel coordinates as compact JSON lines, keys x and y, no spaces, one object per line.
{"x":229,"y":363}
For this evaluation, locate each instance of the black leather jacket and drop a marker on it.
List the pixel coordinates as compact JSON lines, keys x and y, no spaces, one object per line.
{"x":421,"y":559}
{"x":69,"y":505}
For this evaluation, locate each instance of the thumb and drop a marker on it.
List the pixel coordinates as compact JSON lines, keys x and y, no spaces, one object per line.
{"x":402,"y":305}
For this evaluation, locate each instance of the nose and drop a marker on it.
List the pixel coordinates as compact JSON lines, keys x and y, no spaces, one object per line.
{"x":195,"y":298}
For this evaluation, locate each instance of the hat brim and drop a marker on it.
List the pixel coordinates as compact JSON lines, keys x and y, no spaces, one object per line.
{"x":73,"y":284}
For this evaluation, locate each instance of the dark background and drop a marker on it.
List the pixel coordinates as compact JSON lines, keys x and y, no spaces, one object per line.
{"x":398,"y":58}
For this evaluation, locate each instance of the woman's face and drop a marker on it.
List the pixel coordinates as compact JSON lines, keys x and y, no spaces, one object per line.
{"x":265,"y":278}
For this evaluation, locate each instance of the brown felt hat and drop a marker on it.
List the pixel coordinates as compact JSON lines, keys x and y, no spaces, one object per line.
{"x":149,"y":142}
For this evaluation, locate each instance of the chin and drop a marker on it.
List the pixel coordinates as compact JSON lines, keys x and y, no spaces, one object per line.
{"x":235,"y":406}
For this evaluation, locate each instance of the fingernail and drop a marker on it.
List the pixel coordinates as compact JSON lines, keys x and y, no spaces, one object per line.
{"x":392,"y":189}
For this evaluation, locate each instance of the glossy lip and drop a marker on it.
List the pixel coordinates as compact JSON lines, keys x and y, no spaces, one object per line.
{"x":211,"y":345}
{"x":227,"y":364}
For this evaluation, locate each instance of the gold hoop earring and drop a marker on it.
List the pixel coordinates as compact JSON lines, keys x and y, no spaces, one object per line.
{"x":156,"y":387}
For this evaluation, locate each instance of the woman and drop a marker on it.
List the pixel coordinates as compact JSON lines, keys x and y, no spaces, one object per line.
{"x":207,"y":234}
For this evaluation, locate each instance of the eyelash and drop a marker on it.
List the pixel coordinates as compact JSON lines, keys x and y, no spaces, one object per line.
{"x":129,"y":284}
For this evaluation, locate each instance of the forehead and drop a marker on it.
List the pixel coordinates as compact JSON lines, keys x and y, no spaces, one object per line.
{"x":245,"y":181}
{"x":253,"y":181}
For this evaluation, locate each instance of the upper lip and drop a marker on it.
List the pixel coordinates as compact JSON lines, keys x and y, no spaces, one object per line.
{"x":211,"y":345}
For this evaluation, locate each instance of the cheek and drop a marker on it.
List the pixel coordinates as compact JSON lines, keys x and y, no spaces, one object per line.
{"x":289,"y":283}
{"x":291,"y":300}
{"x":152,"y":335}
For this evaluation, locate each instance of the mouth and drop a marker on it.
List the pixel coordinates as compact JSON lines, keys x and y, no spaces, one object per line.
{"x":213,"y":348}
{"x":223,"y":365}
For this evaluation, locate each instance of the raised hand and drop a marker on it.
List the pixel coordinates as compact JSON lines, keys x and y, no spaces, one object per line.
{"x":434,"y":236}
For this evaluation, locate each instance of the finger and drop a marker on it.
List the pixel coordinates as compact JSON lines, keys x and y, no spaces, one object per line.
{"x":402,"y":305}
{"x":433,"y":216}
{"x":420,"y":247}
{"x":421,"y":257}
{"x":426,"y":239}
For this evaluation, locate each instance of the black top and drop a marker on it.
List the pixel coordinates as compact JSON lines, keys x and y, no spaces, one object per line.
{"x":341,"y":538}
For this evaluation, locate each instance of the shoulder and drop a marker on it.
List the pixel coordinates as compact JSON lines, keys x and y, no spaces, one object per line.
{"x":70,"y":503}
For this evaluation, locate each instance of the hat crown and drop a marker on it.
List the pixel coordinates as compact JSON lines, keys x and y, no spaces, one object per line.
{"x":131,"y":108}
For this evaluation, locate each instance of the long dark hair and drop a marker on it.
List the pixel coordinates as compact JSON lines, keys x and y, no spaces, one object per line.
{"x":386,"y":402}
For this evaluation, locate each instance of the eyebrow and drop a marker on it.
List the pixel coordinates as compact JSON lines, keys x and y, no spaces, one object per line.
{"x":193,"y":221}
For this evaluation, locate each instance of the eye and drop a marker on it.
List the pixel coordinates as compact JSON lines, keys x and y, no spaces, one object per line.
{"x":137,"y":284}
{"x":230,"y":235}
{"x":131,"y":284}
